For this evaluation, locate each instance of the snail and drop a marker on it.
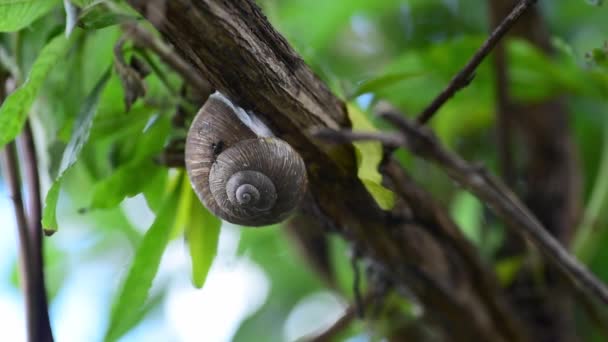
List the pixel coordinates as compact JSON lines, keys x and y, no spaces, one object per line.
{"x":239,"y":170}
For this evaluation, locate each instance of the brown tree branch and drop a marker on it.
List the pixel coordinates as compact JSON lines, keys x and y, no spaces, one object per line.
{"x":10,"y":170}
{"x":29,"y":228}
{"x":465,"y":75}
{"x":36,"y":257}
{"x":492,"y":191}
{"x":349,"y":315}
{"x":242,"y":56}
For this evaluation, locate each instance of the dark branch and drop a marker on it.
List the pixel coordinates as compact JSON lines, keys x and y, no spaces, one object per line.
{"x":496,"y":195}
{"x":10,"y":170}
{"x":344,"y":137}
{"x":34,"y":207}
{"x":464,"y":77}
{"x":349,"y":315}
{"x":29,"y":228}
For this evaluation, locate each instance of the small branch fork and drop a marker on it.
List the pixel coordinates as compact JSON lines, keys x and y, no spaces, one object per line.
{"x":421,"y":142}
{"x":465,"y":76}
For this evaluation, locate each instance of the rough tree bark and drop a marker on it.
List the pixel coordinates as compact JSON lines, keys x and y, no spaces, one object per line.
{"x":552,"y":184}
{"x":417,"y":246}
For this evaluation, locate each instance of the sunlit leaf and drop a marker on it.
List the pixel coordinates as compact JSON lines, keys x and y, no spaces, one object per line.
{"x":17,"y":14}
{"x":369,"y":156}
{"x":15,"y":109}
{"x":79,"y":137}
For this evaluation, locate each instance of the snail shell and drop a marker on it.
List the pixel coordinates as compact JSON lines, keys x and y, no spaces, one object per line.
{"x":237,"y":168}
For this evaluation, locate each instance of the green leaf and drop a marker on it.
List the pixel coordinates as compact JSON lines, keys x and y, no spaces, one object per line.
{"x":15,"y":108}
{"x":131,"y":299}
{"x":369,"y":156}
{"x":154,"y":190}
{"x":507,"y":269}
{"x":382,"y":81}
{"x":383,"y":196}
{"x":49,"y":215}
{"x":202,"y":235}
{"x":467,"y":211}
{"x":135,"y":175}
{"x":127,"y":181}
{"x":83,"y":3}
{"x":102,"y":14}
{"x":79,"y":137}
{"x":17,"y":14}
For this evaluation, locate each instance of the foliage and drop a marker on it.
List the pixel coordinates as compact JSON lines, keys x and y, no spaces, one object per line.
{"x":401,"y":51}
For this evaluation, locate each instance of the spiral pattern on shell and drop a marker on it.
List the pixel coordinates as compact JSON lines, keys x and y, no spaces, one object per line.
{"x":240,"y":177}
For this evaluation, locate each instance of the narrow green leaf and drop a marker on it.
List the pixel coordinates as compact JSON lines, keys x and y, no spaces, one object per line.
{"x":102,"y":14}
{"x":49,"y":216}
{"x":154,"y":190}
{"x":127,"y":181}
{"x":202,"y":235}
{"x":382,"y":81}
{"x":17,"y":14}
{"x":369,"y":156}
{"x":138,"y":170}
{"x":184,"y":208}
{"x":383,"y":196}
{"x":15,"y":108}
{"x":79,"y":137}
{"x":83,"y":124}
{"x":131,"y":299}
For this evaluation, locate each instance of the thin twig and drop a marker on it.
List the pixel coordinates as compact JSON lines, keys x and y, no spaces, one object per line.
{"x":146,"y":40}
{"x":329,"y":135}
{"x":34,"y":207}
{"x":464,"y":77}
{"x":499,"y":198}
{"x":349,"y":315}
